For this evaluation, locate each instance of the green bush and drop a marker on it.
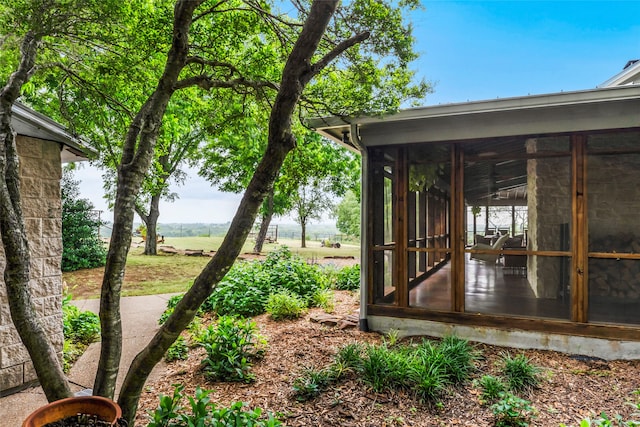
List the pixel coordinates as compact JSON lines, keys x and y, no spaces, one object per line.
{"x":520,"y":374}
{"x":81,"y":244}
{"x":246,"y":287}
{"x":290,"y":272}
{"x":348,"y":278}
{"x":284,"y":305}
{"x":242,"y":292}
{"x":179,"y":350}
{"x":171,"y":412}
{"x":232,"y":344}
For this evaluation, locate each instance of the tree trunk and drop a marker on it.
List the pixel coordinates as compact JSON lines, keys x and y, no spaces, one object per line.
{"x":137,"y":155}
{"x":151,"y":243}
{"x":296,"y":74}
{"x":303,"y":234}
{"x":264,"y":225}
{"x":14,"y":238}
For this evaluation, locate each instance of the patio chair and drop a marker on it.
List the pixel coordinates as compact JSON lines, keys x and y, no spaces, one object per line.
{"x":489,"y":258}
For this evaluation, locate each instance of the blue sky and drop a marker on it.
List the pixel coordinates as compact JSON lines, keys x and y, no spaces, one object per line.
{"x":474,"y":50}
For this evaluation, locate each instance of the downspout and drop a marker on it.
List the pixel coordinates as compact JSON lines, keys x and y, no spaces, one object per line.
{"x":363,"y":324}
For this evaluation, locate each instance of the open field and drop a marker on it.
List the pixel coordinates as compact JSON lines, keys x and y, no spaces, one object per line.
{"x":165,"y":273}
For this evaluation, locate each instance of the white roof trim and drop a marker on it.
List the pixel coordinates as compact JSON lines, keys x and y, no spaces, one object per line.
{"x":28,"y":122}
{"x":595,"y":109}
{"x":627,"y":76}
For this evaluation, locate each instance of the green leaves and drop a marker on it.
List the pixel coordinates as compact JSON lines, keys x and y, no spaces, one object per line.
{"x":81,"y":244}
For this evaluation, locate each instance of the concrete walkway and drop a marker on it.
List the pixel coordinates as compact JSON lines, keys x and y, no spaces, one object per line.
{"x":139,"y":323}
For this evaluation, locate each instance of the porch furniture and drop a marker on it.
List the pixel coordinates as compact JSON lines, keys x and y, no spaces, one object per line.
{"x":489,"y":258}
{"x":515,"y":264}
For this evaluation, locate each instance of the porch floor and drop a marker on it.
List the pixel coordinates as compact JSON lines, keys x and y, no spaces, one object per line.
{"x":489,"y":290}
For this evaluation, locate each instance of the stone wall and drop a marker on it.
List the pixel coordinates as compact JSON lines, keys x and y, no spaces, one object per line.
{"x":549,"y":204}
{"x":40,"y":171}
{"x":613,"y":197}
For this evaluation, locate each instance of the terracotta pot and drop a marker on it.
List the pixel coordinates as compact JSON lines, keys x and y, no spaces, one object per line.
{"x":105,"y":409}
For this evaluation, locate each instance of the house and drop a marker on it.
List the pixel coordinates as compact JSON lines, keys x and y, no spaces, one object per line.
{"x":43,"y":145}
{"x":557,"y":173}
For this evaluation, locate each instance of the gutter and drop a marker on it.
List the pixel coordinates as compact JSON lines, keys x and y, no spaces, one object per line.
{"x":354,"y":138}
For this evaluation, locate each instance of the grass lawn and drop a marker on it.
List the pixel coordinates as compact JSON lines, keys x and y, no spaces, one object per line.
{"x":149,"y":275}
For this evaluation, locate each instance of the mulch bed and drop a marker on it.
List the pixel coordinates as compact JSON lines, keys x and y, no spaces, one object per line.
{"x":571,"y":388}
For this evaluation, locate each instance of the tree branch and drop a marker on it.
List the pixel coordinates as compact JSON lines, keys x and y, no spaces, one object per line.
{"x":338,"y":50}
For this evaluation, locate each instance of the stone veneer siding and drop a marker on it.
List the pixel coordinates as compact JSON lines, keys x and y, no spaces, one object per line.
{"x":40,"y":171}
{"x":549,"y":205}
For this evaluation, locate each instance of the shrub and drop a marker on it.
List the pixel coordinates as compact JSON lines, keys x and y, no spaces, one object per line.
{"x":512,"y":411}
{"x":170,"y":412}
{"x":232,"y":345}
{"x":81,"y":244}
{"x":179,"y":350}
{"x":243,"y":291}
{"x":246,"y":287}
{"x":290,"y":272}
{"x":348,"y":278}
{"x":284,"y":305}
{"x":519,"y":372}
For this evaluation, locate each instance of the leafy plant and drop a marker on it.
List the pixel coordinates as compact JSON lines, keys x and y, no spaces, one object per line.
{"x":79,"y":326}
{"x":519,"y":372}
{"x":491,"y":387}
{"x":512,"y":411}
{"x":325,"y":299}
{"x":243,"y":291}
{"x":171,"y":413}
{"x":179,"y":350}
{"x":284,"y":305}
{"x":348,"y":278}
{"x":232,"y":344}
{"x":617,"y":421}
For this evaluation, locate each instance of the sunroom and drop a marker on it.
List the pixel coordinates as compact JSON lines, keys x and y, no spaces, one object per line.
{"x":512,"y":221}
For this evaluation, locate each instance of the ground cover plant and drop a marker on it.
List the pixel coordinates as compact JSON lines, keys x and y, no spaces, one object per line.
{"x":203,"y":412}
{"x":80,"y":328}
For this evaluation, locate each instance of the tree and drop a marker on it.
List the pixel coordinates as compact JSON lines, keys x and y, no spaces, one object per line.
{"x":311,"y":55}
{"x":347,"y":214}
{"x":28,"y":28}
{"x":81,"y":244}
{"x":309,"y":203}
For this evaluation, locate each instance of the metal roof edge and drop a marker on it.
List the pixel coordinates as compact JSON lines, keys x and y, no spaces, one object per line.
{"x":55,"y":130}
{"x":558,"y":99}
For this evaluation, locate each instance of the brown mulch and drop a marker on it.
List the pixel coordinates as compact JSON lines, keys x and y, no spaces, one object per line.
{"x":571,"y":388}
